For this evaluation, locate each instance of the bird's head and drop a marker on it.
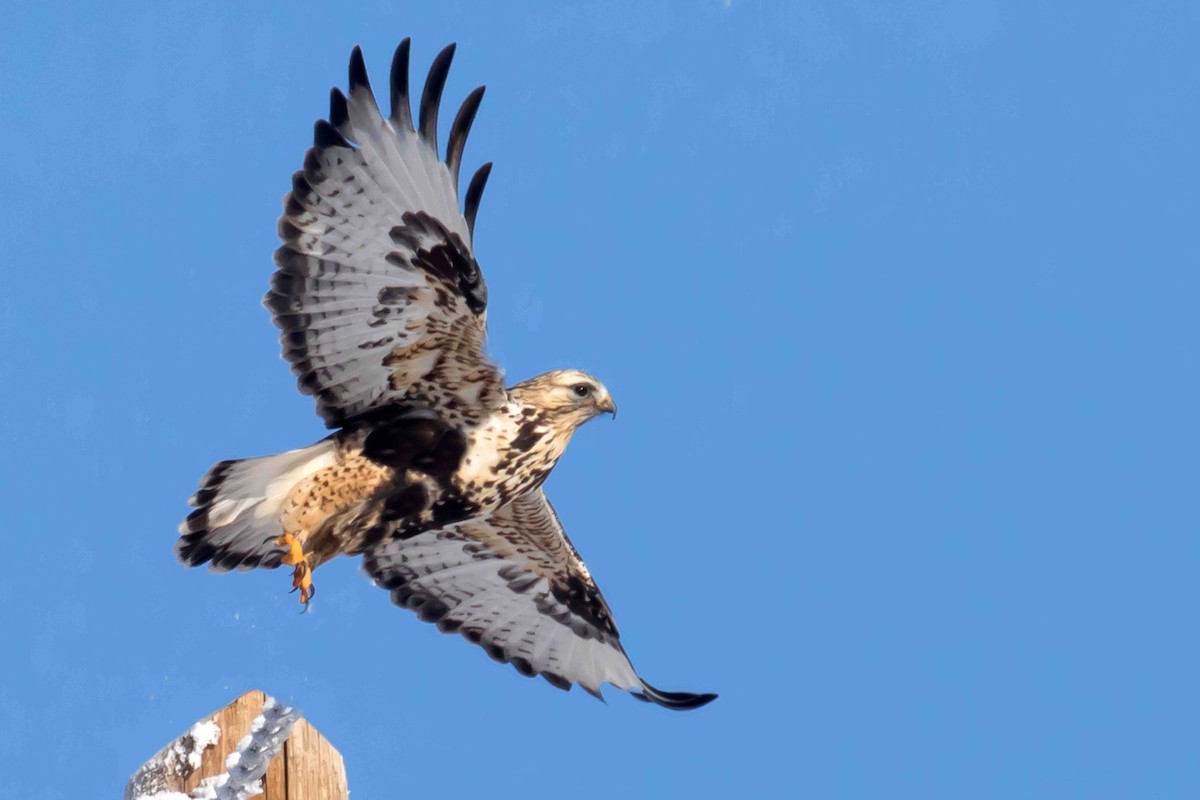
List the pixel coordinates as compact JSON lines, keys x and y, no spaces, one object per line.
{"x":568,"y":396}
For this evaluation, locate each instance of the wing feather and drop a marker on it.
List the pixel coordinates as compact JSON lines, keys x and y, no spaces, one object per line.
{"x":401,"y":108}
{"x":377,"y":291}
{"x":512,"y":583}
{"x":460,"y":130}
{"x":475,"y":193}
{"x":431,"y":97}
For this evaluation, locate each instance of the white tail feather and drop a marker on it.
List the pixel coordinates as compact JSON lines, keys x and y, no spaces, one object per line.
{"x":237,"y":516}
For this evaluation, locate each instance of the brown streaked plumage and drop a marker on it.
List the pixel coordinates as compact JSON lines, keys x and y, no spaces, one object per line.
{"x":434,"y":470}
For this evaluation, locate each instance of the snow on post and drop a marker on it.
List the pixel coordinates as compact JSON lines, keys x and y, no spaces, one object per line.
{"x":277,"y":756}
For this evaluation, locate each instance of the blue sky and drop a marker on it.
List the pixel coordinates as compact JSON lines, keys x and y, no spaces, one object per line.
{"x":898,"y":303}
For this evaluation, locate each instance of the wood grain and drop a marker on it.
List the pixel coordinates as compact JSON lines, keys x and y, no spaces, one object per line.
{"x":307,"y":768}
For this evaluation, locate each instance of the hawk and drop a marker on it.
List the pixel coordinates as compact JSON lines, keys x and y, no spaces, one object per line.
{"x":434,"y":471}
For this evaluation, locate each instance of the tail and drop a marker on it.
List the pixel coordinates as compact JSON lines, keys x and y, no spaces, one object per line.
{"x":236,"y":520}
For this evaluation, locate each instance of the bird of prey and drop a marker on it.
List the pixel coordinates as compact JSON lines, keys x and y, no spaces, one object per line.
{"x":434,"y":471}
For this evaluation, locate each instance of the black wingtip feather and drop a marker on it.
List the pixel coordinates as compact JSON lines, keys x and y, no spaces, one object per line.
{"x":460,"y":130}
{"x":475,"y":194}
{"x":358,"y":71}
{"x":401,"y":108}
{"x":339,"y":115}
{"x":678,"y":701}
{"x":324,"y":135}
{"x":431,"y":97}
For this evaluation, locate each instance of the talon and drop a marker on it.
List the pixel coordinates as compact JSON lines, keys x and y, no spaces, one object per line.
{"x":302,"y":575}
{"x":295,"y":551}
{"x":302,"y":580}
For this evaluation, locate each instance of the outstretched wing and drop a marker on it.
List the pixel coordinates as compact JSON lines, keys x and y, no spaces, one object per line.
{"x":512,"y":583}
{"x":377,"y":291}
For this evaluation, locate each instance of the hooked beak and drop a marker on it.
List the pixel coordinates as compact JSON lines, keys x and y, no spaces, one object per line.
{"x":608,"y":406}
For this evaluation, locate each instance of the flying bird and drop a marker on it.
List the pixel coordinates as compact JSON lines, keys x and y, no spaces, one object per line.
{"x":434,"y":471}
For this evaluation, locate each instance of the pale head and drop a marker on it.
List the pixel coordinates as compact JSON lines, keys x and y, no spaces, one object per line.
{"x":568,"y":396}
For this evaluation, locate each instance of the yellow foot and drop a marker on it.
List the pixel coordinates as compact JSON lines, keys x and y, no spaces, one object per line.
{"x":302,"y":575}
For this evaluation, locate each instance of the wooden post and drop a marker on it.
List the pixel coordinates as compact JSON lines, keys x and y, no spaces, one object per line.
{"x":306,"y":767}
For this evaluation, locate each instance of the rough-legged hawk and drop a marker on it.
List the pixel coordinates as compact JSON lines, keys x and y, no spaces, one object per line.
{"x":435,"y":469}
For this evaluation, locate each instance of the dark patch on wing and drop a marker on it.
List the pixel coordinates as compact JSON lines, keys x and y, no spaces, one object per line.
{"x":449,"y":261}
{"x":585,"y":601}
{"x":405,"y":237}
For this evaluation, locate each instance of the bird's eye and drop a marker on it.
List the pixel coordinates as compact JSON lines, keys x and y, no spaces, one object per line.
{"x":581,"y":390}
